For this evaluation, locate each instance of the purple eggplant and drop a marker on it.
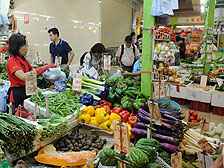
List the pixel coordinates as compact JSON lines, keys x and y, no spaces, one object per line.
{"x":140,"y":125}
{"x":145,"y":107}
{"x":168,"y":147}
{"x":164,"y":132}
{"x":140,"y":133}
{"x":171,"y":122}
{"x":163,"y":138}
{"x":169,"y":117}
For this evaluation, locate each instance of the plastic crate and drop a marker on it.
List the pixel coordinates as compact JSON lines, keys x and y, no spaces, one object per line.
{"x":164,"y":101}
{"x":199,"y":106}
{"x":218,"y":111}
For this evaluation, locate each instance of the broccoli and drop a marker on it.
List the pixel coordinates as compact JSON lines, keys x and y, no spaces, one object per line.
{"x":165,"y":156}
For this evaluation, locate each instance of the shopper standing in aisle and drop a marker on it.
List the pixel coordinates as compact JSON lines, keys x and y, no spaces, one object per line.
{"x":133,"y":37}
{"x":182,"y":48}
{"x":17,"y":67}
{"x":127,"y":54}
{"x":60,"y":48}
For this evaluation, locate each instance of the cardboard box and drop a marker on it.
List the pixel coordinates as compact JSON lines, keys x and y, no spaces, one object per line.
{"x":217,"y":99}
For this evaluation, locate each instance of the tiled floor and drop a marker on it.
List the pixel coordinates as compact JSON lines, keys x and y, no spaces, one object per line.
{"x":208,"y":116}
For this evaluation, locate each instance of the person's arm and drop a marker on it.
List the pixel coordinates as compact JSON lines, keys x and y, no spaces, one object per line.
{"x":136,"y":52}
{"x":118,"y":56}
{"x":51,"y":59}
{"x":131,"y":74}
{"x":70,"y":58}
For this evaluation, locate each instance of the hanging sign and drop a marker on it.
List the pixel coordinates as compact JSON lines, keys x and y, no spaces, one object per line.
{"x":176,"y":160}
{"x":107,"y":62}
{"x":26,"y":18}
{"x":155,"y":113}
{"x":205,"y":160}
{"x":206,"y":146}
{"x":31,"y":83}
{"x":2,"y":58}
{"x":157,"y":88}
{"x":121,"y":138}
{"x":189,"y":20}
{"x":204,"y":79}
{"x":77,"y":82}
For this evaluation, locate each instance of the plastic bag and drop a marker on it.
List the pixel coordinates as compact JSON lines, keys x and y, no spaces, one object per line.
{"x":54,"y":73}
{"x":3,"y":98}
{"x":156,"y":8}
{"x":166,"y":6}
{"x":91,"y":72}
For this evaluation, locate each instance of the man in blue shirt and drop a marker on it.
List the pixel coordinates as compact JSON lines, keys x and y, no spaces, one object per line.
{"x":59,"y":47}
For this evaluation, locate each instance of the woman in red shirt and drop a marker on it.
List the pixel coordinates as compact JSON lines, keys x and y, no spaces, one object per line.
{"x":17,"y":67}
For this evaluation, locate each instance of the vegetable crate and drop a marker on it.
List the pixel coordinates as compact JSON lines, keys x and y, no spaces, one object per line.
{"x":199,"y":106}
{"x":161,"y":36}
{"x":218,"y":111}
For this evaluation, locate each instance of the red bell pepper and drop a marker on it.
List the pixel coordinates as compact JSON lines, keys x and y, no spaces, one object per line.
{"x":109,"y":104}
{"x":124,"y":115}
{"x":98,"y":106}
{"x":107,"y":108}
{"x":117,"y":110}
{"x":103,"y":102}
{"x":132,"y":120}
{"x":111,"y":111}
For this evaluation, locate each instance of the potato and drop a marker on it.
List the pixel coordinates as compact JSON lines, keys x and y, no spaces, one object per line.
{"x":161,"y":68}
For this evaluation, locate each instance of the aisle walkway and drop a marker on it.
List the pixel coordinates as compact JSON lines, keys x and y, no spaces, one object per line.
{"x":208,"y":116}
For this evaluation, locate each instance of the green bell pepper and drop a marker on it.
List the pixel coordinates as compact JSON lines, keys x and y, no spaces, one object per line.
{"x":127,"y":105}
{"x":119,"y":91}
{"x":117,"y":98}
{"x":124,"y":99}
{"x":137,"y":104}
{"x":116,"y":105}
{"x":111,"y":97}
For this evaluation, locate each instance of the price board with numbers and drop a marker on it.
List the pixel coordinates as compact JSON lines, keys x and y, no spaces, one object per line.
{"x":107,"y":62}
{"x":176,"y":160}
{"x":121,"y":138}
{"x":77,"y":82}
{"x":155,"y":113}
{"x":206,"y":146}
{"x":31,"y":83}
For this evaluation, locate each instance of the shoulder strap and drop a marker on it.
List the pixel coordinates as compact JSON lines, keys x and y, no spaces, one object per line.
{"x":122,"y":51}
{"x":56,"y":50}
{"x":133,"y":49}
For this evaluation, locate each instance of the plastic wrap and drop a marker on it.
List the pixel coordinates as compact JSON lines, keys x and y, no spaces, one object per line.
{"x":54,"y":74}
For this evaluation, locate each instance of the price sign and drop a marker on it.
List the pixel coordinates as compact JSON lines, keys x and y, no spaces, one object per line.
{"x":206,"y":146}
{"x":220,"y":82}
{"x":204,"y":79}
{"x":39,"y":60}
{"x":176,"y":160}
{"x":205,"y":127}
{"x":31,"y":83}
{"x":58,"y":61}
{"x":77,"y":82}
{"x":2,"y":58}
{"x":157,"y":88}
{"x":205,"y":160}
{"x":155,"y":113}
{"x":107,"y":62}
{"x":121,"y":138}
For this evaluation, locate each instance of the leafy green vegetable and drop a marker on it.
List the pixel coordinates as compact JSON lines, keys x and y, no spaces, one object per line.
{"x":165,"y":156}
{"x":153,"y":165}
{"x":42,"y":83}
{"x":149,"y":151}
{"x":148,"y":142}
{"x":138,"y":159}
{"x":107,"y":157}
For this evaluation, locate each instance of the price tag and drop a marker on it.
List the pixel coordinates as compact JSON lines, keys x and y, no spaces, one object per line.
{"x":58,"y":61}
{"x":176,"y":160}
{"x":31,"y":83}
{"x":206,"y":146}
{"x":220,"y":82}
{"x":77,"y":82}
{"x":2,"y":58}
{"x":205,"y":127}
{"x":205,"y":160}
{"x":155,"y":113}
{"x":121,"y":138}
{"x":107,"y":62}
{"x":204,"y":79}
{"x":157,"y":88}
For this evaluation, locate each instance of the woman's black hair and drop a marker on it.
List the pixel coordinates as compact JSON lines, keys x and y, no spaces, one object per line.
{"x":16,"y":41}
{"x":132,"y":34}
{"x":98,"y":48}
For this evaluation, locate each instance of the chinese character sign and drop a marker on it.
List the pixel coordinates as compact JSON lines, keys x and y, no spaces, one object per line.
{"x":205,"y":160}
{"x":155,"y":113}
{"x":77,"y":82}
{"x":58,"y":61}
{"x":2,"y":58}
{"x":31,"y":83}
{"x":107,"y":62}
{"x":159,"y":89}
{"x":26,"y":18}
{"x":121,"y":138}
{"x":205,"y":145}
{"x":176,"y":160}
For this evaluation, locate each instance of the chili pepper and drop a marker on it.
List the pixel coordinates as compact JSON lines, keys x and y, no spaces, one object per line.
{"x":98,"y":106}
{"x":105,"y":125}
{"x":84,"y":118}
{"x":119,"y":91}
{"x":107,"y":108}
{"x":101,"y":115}
{"x":103,"y":102}
{"x":109,"y":104}
{"x":89,"y":110}
{"x":94,"y":122}
{"x":132,"y":120}
{"x":114,"y":117}
{"x":117,"y":110}
{"x":124,"y":115}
